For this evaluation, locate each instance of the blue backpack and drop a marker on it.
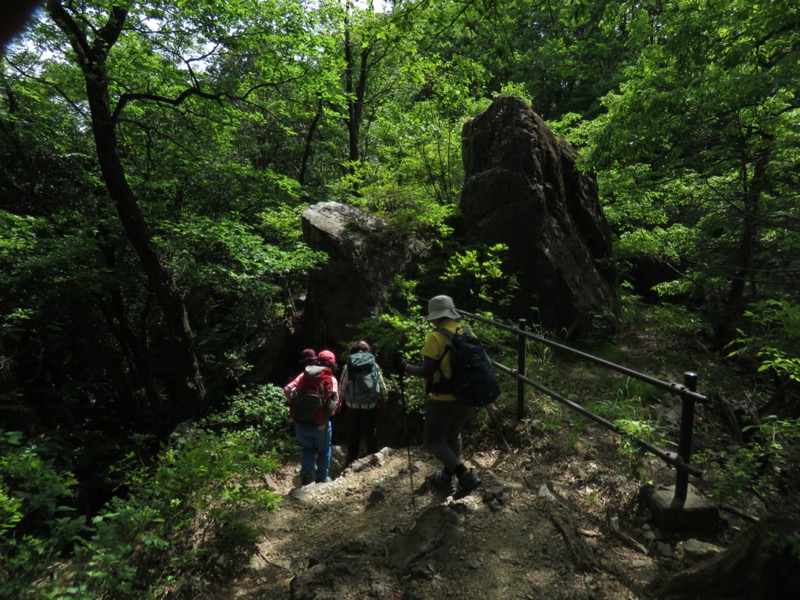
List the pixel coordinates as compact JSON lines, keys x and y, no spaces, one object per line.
{"x":473,"y":379}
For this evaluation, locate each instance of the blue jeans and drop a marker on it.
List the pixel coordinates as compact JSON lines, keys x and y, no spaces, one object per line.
{"x":315,"y":445}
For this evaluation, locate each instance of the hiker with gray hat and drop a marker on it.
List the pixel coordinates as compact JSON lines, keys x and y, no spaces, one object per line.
{"x":444,"y":416}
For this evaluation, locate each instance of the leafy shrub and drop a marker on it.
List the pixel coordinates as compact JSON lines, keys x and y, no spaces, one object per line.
{"x":259,"y":415}
{"x":758,"y":466}
{"x":38,"y":525}
{"x":631,"y":453}
{"x":480,"y":273}
{"x":631,"y":396}
{"x":772,"y":340}
{"x":191,"y":518}
{"x":674,"y":323}
{"x":626,"y":408}
{"x":549,"y":417}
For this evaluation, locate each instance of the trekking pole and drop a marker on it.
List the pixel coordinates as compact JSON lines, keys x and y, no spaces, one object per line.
{"x":408,"y":443}
{"x":499,"y":430}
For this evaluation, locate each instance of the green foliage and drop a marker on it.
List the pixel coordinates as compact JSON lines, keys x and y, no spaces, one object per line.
{"x":631,"y":453}
{"x":553,"y":417}
{"x":676,"y":323}
{"x":622,"y":401}
{"x":225,"y":219}
{"x":259,"y":416}
{"x":782,"y":542}
{"x":759,"y":465}
{"x":229,"y":256}
{"x":232,"y":117}
{"x":479,"y":273}
{"x":692,"y":152}
{"x":541,"y":363}
{"x":416,"y":398}
{"x":626,"y":407}
{"x":415,"y":185}
{"x":190,"y":519}
{"x":772,"y":339}
{"x":407,"y":328}
{"x":38,"y":524}
{"x":630,"y":398}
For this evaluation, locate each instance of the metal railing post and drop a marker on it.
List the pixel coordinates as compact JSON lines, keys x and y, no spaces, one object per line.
{"x":521,"y":361}
{"x":685,"y":444}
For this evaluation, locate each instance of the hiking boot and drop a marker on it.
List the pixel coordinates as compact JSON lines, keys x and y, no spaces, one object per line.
{"x":305,"y":479}
{"x":467,"y":483}
{"x":326,"y":480}
{"x":441,"y":480}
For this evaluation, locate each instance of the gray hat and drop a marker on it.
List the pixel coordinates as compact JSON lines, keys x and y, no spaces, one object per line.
{"x":441,"y":306}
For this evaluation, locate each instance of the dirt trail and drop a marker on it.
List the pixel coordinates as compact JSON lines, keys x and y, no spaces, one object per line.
{"x":340,"y":540}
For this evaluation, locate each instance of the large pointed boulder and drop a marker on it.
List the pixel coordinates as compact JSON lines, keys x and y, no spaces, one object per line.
{"x":522,"y":188}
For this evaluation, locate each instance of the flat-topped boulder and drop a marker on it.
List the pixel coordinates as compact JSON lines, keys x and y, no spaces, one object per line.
{"x":364,"y":255}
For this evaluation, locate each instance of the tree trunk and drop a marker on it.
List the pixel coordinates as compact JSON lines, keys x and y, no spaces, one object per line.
{"x":308,"y":143}
{"x":735,"y":303}
{"x":356,"y":87}
{"x":132,"y":347}
{"x":92,"y":60}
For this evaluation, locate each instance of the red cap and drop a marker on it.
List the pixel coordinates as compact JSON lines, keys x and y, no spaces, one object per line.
{"x":327,"y":356}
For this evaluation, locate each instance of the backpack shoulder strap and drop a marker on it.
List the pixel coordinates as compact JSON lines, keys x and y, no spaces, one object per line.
{"x":449,"y":335}
{"x":446,"y":332}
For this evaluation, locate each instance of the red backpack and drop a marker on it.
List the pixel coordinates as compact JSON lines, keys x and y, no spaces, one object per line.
{"x":308,"y":405}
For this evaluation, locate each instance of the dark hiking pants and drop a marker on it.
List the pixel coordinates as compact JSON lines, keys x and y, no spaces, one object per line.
{"x":444,"y":421}
{"x":361,"y":421}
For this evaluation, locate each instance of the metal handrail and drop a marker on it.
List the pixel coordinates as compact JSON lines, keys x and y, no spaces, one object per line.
{"x":672,"y":458}
{"x":686,"y":391}
{"x":675,"y":388}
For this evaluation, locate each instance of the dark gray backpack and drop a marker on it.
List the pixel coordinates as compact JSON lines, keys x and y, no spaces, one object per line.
{"x":363,"y":387}
{"x":473,"y":380}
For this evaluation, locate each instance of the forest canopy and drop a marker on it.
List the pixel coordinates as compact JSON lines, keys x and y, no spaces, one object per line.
{"x":155,"y":158}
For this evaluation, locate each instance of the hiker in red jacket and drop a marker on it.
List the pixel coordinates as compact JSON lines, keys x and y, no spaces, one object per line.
{"x":313,"y":400}
{"x":307,"y":357}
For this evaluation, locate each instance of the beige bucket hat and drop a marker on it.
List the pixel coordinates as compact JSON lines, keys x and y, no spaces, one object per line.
{"x":441,"y":306}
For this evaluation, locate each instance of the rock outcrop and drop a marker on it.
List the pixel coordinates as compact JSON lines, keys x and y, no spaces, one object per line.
{"x":364,"y":256}
{"x":522,"y":188}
